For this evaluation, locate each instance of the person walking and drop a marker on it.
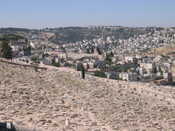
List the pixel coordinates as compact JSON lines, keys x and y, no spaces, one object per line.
{"x":82,"y":71}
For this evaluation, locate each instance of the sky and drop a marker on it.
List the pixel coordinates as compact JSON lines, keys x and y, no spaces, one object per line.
{"x":62,"y":13}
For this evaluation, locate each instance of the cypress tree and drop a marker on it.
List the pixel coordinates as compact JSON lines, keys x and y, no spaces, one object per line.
{"x":6,"y":50}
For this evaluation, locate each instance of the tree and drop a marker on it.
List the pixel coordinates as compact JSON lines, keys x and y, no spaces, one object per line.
{"x":64,"y":50}
{"x":27,"y":51}
{"x":99,"y":51}
{"x":6,"y":50}
{"x":154,"y":69}
{"x":100,"y":74}
{"x":54,"y":63}
{"x":108,"y":59}
{"x":112,"y":54}
{"x":35,"y":59}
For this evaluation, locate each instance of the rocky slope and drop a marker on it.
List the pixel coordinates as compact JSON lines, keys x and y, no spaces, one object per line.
{"x":58,"y":100}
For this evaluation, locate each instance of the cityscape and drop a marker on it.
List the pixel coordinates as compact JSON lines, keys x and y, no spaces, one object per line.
{"x":136,"y":58}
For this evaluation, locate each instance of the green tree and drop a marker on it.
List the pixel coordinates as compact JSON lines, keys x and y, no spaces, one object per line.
{"x":99,"y":51}
{"x":108,"y":59}
{"x":154,"y":69}
{"x":100,"y":74}
{"x":35,"y":59}
{"x":112,"y":54}
{"x":54,"y":63}
{"x":6,"y":50}
{"x":27,"y":51}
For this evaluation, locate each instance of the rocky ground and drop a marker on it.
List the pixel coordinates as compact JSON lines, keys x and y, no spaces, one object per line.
{"x":58,"y":100}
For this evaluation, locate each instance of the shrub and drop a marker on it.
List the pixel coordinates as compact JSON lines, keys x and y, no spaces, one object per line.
{"x":56,"y":64}
{"x":5,"y":50}
{"x":100,"y":74}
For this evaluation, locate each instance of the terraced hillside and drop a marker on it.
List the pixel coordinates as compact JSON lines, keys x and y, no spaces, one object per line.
{"x":58,"y":100}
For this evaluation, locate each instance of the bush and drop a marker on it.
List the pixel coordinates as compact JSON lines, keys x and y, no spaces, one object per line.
{"x":5,"y":50}
{"x":68,"y":65}
{"x":56,"y":64}
{"x":100,"y":74}
{"x":35,"y":59}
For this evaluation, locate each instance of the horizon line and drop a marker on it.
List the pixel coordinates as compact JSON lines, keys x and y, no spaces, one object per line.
{"x":6,"y":27}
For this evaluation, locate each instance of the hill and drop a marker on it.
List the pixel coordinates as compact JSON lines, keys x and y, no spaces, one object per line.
{"x":12,"y":30}
{"x":166,"y":50}
{"x":58,"y":100}
{"x":10,"y":37}
{"x":74,"y":34}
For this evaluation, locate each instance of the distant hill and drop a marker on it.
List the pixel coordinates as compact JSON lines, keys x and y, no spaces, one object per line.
{"x":8,"y":37}
{"x":73,"y":34}
{"x":166,"y":50}
{"x":13,"y":30}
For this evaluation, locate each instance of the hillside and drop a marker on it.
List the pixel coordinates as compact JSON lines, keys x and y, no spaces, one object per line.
{"x":58,"y":100}
{"x":74,"y":34}
{"x":163,"y":50}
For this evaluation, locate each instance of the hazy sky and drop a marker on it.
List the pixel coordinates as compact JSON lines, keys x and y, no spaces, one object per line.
{"x":56,"y":13}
